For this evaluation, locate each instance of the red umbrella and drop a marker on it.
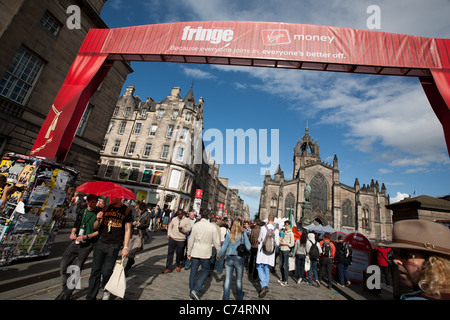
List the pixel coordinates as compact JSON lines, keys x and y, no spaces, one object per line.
{"x":106,"y":189}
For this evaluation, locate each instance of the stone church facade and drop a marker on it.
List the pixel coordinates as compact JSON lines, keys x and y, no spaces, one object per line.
{"x":315,"y":194}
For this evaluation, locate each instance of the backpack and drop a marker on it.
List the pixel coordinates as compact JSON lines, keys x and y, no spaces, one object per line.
{"x":314,"y":251}
{"x":268,"y":245}
{"x":347,"y":250}
{"x":326,"y":249}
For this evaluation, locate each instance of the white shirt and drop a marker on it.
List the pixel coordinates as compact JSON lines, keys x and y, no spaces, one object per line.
{"x":262,"y":257}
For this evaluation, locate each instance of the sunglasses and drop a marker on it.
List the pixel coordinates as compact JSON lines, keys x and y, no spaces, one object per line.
{"x":404,"y":254}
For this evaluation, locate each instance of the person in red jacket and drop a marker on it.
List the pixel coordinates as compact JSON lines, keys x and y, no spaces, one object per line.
{"x":326,"y":258}
{"x":383,"y":263}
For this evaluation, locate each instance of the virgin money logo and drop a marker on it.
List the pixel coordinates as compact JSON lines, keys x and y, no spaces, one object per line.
{"x":275,"y":36}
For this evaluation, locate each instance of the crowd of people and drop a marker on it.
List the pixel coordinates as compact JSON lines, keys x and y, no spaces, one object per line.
{"x":206,"y":243}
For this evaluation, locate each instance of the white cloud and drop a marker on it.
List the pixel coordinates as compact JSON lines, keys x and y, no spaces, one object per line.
{"x":400,"y":196}
{"x":197,"y":73}
{"x":245,"y":189}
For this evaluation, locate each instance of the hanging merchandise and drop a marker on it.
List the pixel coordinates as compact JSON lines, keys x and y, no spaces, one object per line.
{"x":32,"y":215}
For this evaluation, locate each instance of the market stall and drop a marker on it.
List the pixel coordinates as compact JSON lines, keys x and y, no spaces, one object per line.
{"x":31,"y":217}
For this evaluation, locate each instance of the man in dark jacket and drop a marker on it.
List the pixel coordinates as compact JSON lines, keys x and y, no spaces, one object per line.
{"x":343,"y":259}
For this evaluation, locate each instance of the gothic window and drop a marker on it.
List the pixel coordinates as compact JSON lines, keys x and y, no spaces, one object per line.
{"x":273,"y":205}
{"x":366,"y":218}
{"x":347,"y":213}
{"x":289,"y":205}
{"x":319,"y":193}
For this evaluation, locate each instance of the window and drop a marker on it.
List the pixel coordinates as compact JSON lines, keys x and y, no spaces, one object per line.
{"x":137,"y":128}
{"x":347,"y":213}
{"x":147,"y":174}
{"x":110,"y":126}
{"x":104,"y":143}
{"x":109,"y":169}
{"x":165,"y":152}
{"x":160,"y":114}
{"x":148,"y":148}
{"x":18,"y":80}
{"x":127,"y":112}
{"x":84,"y":119}
{"x":123,"y":124}
{"x":273,"y":205}
{"x":184,"y":133}
{"x":153,"y":130}
{"x":174,"y":114}
{"x":144,"y":113}
{"x":289,"y":205}
{"x":116,"y":146}
{"x":186,"y":186}
{"x":131,"y":148}
{"x":116,"y":111}
{"x":188,"y":116}
{"x":134,"y":172}
{"x":319,"y":193}
{"x":169,"y":132}
{"x":50,"y":23}
{"x":124,"y":170}
{"x":180,"y":153}
{"x":152,"y":175}
{"x":366,"y":220}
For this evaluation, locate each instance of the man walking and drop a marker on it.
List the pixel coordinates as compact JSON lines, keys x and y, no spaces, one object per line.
{"x":203,"y":236}
{"x":265,"y":259}
{"x":179,"y":227}
{"x":286,"y":243}
{"x":114,"y":228}
{"x":83,"y":237}
{"x":326,"y":258}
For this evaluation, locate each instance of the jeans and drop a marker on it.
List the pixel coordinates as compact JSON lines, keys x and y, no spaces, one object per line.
{"x":342,"y":272}
{"x":233,"y":263}
{"x":300,"y":265}
{"x":313,"y":271}
{"x":194,"y":283}
{"x":219,"y":265}
{"x":177,"y":246}
{"x":263,"y":272}
{"x":284,"y":265}
{"x":103,"y":262}
{"x":79,"y":251}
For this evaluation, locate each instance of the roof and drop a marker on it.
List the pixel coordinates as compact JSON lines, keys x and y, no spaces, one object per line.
{"x":423,"y":202}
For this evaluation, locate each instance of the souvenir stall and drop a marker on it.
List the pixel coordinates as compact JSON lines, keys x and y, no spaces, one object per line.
{"x":30,"y":219}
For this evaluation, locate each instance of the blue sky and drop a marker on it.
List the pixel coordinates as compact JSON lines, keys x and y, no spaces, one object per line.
{"x":380,"y":127}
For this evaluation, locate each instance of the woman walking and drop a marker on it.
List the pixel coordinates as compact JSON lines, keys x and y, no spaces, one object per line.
{"x":234,"y":261}
{"x":300,"y":257}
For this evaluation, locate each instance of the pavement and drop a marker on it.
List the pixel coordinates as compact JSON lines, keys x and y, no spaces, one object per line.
{"x":40,"y":280}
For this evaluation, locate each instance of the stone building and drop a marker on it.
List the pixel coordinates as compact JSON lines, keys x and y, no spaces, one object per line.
{"x":151,"y":148}
{"x":422,"y":207}
{"x":36,"y":52}
{"x":315,"y":194}
{"x":144,"y":147}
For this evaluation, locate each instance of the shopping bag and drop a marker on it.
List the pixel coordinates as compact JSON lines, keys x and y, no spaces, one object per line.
{"x":291,"y":264}
{"x":307,"y":263}
{"x":117,"y":282}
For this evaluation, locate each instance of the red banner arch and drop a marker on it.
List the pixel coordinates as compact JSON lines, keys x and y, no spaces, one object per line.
{"x":256,"y":44}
